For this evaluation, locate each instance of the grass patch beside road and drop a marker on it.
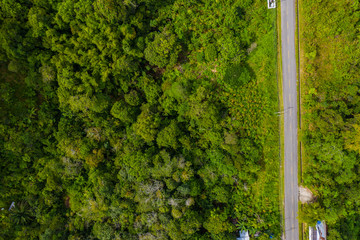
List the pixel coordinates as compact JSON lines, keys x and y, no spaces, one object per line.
{"x":302,"y":228}
{"x":261,"y":62}
{"x":281,"y":119}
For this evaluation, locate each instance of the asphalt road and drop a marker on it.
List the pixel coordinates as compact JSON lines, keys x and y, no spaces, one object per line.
{"x":290,"y":118}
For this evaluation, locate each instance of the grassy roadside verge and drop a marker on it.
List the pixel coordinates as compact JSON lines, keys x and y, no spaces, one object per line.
{"x":299,"y":66}
{"x":262,"y":59}
{"x":300,"y":57}
{"x":281,"y":118}
{"x":297,"y":49}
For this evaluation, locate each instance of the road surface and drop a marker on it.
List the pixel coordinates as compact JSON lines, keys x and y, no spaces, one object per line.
{"x":290,"y":118}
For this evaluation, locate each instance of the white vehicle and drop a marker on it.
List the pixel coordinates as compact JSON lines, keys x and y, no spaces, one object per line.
{"x":318,"y":232}
{"x":271,"y":3}
{"x":244,"y":235}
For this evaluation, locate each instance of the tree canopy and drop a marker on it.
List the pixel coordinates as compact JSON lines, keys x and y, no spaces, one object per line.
{"x":138,"y":119}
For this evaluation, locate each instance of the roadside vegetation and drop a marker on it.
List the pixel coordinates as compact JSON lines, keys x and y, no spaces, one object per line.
{"x":330,"y":76}
{"x":139,"y":119}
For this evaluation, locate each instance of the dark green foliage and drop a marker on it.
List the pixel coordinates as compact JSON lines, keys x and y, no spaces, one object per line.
{"x":237,"y":75}
{"x":21,"y":214}
{"x":137,"y":119}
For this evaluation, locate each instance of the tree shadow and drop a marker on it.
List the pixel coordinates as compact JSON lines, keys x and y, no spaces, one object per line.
{"x":238,"y":75}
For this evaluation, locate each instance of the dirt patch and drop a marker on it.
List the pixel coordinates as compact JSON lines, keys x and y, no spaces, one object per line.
{"x":251,"y":48}
{"x":67,"y":202}
{"x":305,"y":195}
{"x":8,"y":76}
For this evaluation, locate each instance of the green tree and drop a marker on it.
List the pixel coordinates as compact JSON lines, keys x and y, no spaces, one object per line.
{"x":21,"y":214}
{"x":164,"y":50}
{"x":123,"y":112}
{"x":216,"y":223}
{"x":167,"y":137}
{"x":147,"y":124}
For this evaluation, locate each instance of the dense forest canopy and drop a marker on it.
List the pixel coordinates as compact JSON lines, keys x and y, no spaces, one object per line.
{"x":138,"y":119}
{"x":331,"y":114}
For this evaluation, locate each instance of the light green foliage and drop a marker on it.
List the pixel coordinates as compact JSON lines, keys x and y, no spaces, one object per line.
{"x":220,"y":194}
{"x":216,"y":223}
{"x":84,"y":103}
{"x":230,"y":138}
{"x":38,"y":20}
{"x":176,"y":213}
{"x":164,"y":50}
{"x":47,"y":73}
{"x":331,"y":111}
{"x":123,"y":112}
{"x":147,"y":124}
{"x":192,"y":224}
{"x":167,"y":137}
{"x":151,"y":90}
{"x":211,"y":52}
{"x":111,"y":10}
{"x":177,"y":91}
{"x":132,"y":98}
{"x":352,"y":137}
